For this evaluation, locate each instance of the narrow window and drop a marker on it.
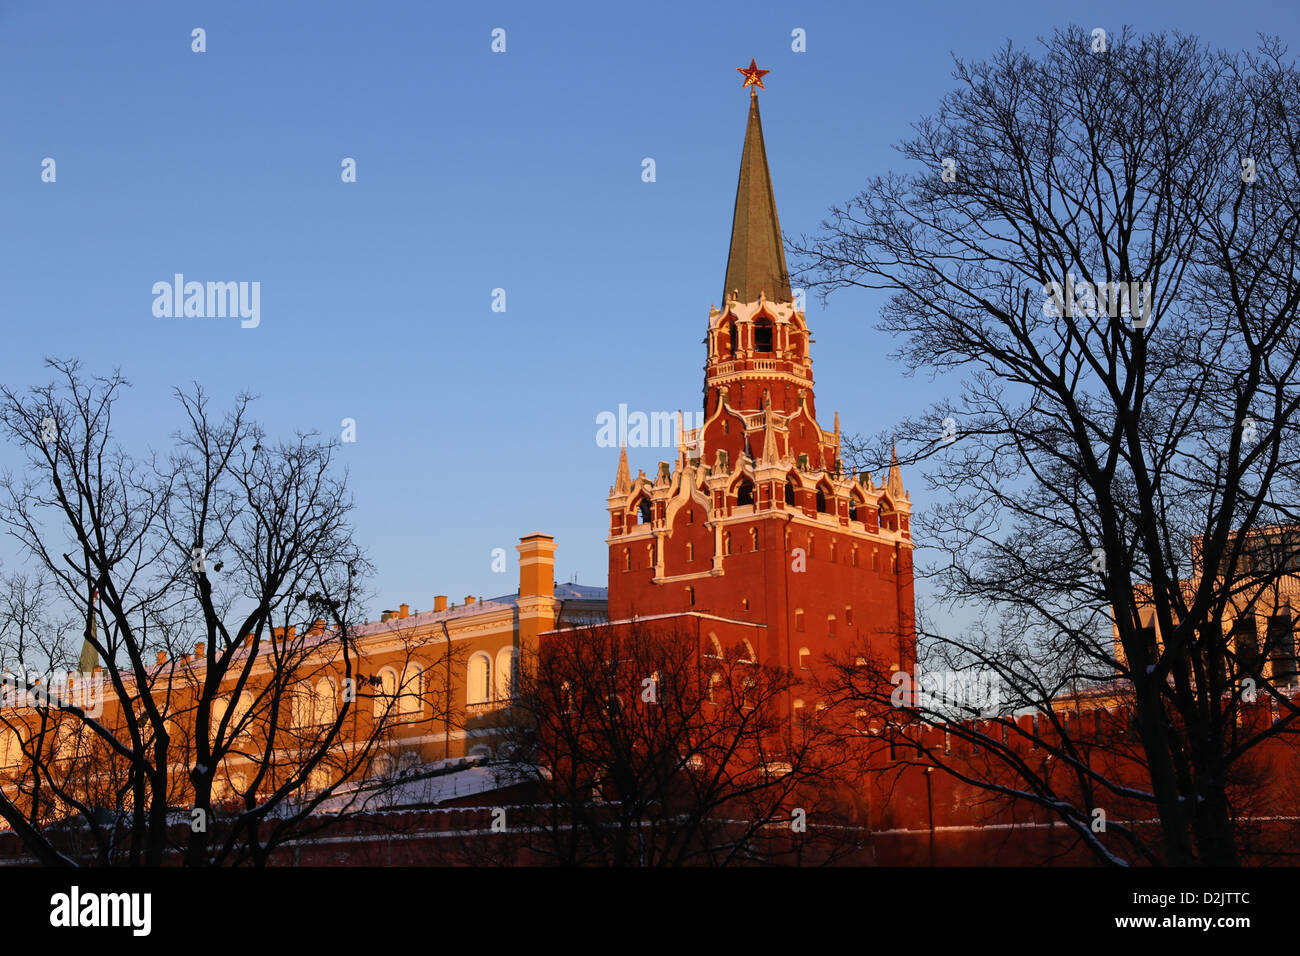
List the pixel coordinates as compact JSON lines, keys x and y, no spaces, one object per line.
{"x":763,"y":335}
{"x":1281,"y":648}
{"x":478,"y":681}
{"x":506,"y":673}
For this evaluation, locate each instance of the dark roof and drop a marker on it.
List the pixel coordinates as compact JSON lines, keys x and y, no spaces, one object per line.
{"x":756,"y":262}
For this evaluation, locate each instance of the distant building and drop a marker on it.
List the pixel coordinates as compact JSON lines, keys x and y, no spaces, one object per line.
{"x":1259,"y":621}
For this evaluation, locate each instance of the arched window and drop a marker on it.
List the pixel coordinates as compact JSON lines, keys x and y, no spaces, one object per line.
{"x":506,"y":673}
{"x":242,"y":710}
{"x":797,"y":709}
{"x":627,"y":559}
{"x":301,"y":706}
{"x":747,"y":684}
{"x":805,"y":656}
{"x":216,"y":714}
{"x":821,"y":501}
{"x":690,"y":596}
{"x":478,"y":681}
{"x":763,"y":335}
{"x":714,"y":650}
{"x":690,"y":550}
{"x":715,"y":681}
{"x":690,"y":516}
{"x":832,"y":552}
{"x":324,"y":705}
{"x":753,"y":539}
{"x":412,"y":699}
{"x":645,"y":511}
{"x":848,"y":615}
{"x":747,"y":655}
{"x":830,"y":625}
{"x":789,"y":492}
{"x":733,"y":342}
{"x":66,"y":737}
{"x":726,"y":542}
{"x":855,"y":555}
{"x":745,"y":494}
{"x":853,"y":509}
{"x":798,"y":619}
{"x":386,"y":690}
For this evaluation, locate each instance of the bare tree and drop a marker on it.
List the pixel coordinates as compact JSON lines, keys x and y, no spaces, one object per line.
{"x":642,"y":751}
{"x":229,"y":585}
{"x":1100,"y":244}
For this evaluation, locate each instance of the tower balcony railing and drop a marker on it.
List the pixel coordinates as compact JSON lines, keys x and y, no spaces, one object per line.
{"x":762,"y":365}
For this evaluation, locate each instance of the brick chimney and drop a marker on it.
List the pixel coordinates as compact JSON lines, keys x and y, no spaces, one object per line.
{"x":469,"y":599}
{"x":440,"y":602}
{"x":403,"y":611}
{"x":536,"y":565}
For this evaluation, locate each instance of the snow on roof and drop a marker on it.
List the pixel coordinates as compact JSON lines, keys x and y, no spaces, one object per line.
{"x":427,"y":786}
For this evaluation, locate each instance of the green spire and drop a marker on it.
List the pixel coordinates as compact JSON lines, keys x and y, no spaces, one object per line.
{"x":756,"y":262}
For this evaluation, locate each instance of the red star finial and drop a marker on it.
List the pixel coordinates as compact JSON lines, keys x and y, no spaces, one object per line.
{"x":752,"y":74}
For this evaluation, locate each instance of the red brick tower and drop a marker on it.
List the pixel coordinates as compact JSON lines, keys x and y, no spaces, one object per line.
{"x":755,"y":530}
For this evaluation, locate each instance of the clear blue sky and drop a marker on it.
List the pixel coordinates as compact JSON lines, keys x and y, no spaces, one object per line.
{"x":475,"y":171}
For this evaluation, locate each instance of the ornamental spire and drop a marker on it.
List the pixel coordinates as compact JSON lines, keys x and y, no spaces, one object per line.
{"x":770,"y":454}
{"x":756,"y":262}
{"x":623,"y":482}
{"x":895,"y":484}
